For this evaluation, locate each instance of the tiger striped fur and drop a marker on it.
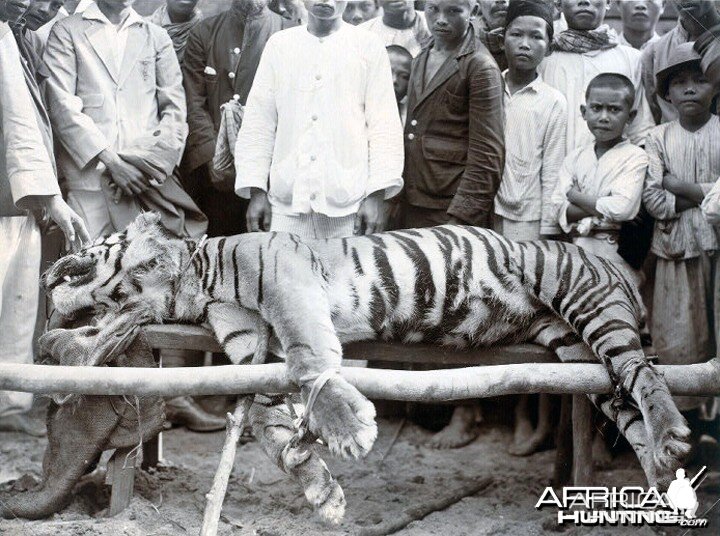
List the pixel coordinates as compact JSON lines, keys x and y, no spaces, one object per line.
{"x":449,"y":285}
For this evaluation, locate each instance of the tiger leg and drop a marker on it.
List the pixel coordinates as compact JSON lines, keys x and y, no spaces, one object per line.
{"x":273,"y":427}
{"x":597,"y":300}
{"x":300,"y":317}
{"x":236,"y":329}
{"x":567,"y":345}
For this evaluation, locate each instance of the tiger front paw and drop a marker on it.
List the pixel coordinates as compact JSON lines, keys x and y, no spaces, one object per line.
{"x":343,"y":418}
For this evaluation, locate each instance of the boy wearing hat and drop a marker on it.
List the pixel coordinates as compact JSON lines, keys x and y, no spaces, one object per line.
{"x":684,"y":164}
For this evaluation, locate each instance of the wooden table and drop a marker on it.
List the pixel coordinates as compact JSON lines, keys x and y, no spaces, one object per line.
{"x":575,"y":433}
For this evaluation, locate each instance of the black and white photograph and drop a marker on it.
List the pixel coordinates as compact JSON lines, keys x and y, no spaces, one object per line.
{"x":359,"y":267}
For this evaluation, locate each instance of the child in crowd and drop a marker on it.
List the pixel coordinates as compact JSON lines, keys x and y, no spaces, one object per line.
{"x":400,"y":24}
{"x":533,"y":155}
{"x":359,"y":11}
{"x":600,"y":184}
{"x":639,"y":20}
{"x":532,"y":162}
{"x":684,"y":164}
{"x":400,"y":64}
{"x":587,"y":48}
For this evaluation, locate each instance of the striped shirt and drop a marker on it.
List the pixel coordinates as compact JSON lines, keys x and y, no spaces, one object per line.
{"x":691,"y":157}
{"x":616,"y":179}
{"x":533,"y":155}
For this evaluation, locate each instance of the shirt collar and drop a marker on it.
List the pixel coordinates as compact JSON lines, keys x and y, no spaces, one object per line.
{"x":92,"y":12}
{"x":623,"y":41}
{"x":532,"y":86}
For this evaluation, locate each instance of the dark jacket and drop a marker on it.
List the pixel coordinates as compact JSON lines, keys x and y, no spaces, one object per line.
{"x":230,"y":45}
{"x":454,"y":140}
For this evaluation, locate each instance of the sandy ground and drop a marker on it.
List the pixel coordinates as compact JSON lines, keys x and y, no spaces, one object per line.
{"x":263,"y":501}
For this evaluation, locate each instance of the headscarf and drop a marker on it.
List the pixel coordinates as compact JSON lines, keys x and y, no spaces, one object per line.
{"x":178,"y":31}
{"x":582,"y":41}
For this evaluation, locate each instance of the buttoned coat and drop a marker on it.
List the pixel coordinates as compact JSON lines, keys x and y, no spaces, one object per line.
{"x":93,"y":105}
{"x":454,"y":134}
{"x":221,"y":58}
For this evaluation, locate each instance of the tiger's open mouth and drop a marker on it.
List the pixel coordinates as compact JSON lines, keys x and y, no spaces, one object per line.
{"x":73,"y":270}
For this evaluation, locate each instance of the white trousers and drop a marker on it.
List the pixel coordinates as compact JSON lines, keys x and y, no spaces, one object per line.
{"x":19,"y":291}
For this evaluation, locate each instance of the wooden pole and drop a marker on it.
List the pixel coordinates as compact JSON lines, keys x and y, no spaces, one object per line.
{"x":417,"y":386}
{"x":235,"y":424}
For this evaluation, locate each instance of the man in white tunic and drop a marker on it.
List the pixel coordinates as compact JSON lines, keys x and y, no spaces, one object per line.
{"x":322,"y":123}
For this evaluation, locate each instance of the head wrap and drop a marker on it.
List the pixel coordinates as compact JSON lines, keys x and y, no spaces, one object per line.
{"x":531,"y":8}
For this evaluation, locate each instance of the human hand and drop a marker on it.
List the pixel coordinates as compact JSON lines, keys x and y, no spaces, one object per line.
{"x":68,"y":220}
{"x":572,"y":195}
{"x":371,"y":216}
{"x":258,"y":213}
{"x":127,"y":178}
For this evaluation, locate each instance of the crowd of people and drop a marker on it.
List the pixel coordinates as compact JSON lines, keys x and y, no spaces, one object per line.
{"x":530,"y":117}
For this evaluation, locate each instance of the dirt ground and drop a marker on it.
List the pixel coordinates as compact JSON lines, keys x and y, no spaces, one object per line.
{"x":261,"y":500}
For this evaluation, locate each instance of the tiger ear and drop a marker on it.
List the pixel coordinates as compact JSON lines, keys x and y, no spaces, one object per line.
{"x":144,"y":222}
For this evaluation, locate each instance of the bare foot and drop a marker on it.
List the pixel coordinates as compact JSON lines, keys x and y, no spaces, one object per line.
{"x":523,"y":426}
{"x":531,"y":445}
{"x":461,"y":430}
{"x":20,"y":422}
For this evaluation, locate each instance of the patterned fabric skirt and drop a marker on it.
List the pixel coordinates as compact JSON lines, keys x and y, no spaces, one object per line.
{"x":686,"y":315}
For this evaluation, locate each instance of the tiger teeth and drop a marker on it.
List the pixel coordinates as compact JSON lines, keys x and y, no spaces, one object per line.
{"x":67,"y":278}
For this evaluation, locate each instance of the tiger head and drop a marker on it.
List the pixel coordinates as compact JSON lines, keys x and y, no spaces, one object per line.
{"x":144,"y":257}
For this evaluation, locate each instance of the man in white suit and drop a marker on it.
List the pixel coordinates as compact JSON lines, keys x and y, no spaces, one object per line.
{"x":28,"y":186}
{"x":115,"y":89}
{"x":114,"y":83}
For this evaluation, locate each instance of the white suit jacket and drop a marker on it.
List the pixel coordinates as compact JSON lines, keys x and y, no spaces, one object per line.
{"x":26,"y":168}
{"x":93,"y":105}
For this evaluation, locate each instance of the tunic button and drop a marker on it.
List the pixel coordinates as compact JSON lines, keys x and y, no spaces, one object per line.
{"x":318,"y":77}
{"x":411,"y":136}
{"x":313,"y":158}
{"x":313,"y":197}
{"x":314,"y":117}
{"x":413,"y":122}
{"x":236,"y":50}
{"x":231,"y":75}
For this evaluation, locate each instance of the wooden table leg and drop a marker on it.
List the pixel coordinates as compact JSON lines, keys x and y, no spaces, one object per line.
{"x":152,"y":449}
{"x":582,"y":440}
{"x":564,"y":453}
{"x":121,"y":472}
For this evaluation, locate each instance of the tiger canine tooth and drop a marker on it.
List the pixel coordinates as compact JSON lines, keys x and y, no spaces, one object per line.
{"x":67,"y":278}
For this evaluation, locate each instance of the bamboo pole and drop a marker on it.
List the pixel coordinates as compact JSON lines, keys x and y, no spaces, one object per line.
{"x":415,"y":386}
{"x":235,"y":423}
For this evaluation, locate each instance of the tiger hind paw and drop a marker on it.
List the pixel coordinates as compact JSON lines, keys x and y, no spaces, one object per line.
{"x":344,"y":419}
